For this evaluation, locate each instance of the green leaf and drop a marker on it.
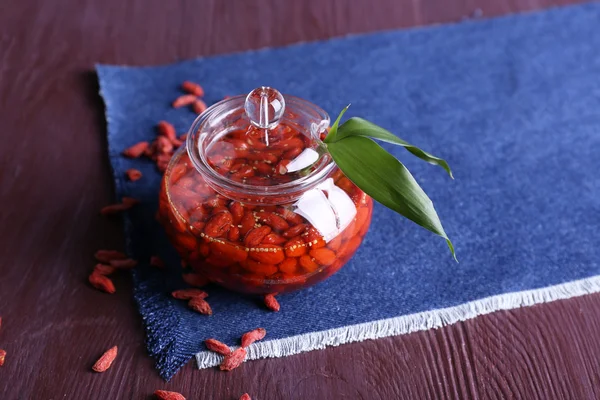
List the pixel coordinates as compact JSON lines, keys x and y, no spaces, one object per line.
{"x":360,"y":127}
{"x":385,"y":179}
{"x":334,"y":128}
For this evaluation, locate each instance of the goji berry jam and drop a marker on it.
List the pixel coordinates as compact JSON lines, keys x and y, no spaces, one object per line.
{"x":255,"y":203}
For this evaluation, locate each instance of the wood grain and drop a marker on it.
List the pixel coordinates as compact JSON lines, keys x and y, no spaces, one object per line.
{"x":54,"y":177}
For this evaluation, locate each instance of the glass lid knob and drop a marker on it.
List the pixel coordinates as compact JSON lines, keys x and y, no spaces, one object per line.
{"x":264,"y":107}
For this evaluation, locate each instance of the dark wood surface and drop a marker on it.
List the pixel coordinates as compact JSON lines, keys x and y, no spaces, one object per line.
{"x":54,"y":176}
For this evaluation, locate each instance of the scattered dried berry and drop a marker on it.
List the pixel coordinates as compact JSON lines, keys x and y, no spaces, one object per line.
{"x":200,"y":305}
{"x":217,"y":347}
{"x":133,"y":174}
{"x":199,"y":106}
{"x":250,"y":337}
{"x":114,"y":209}
{"x":192,"y":88}
{"x":196,"y":280}
{"x":101,"y":282}
{"x":126,"y":263}
{"x":157,"y":262}
{"x":245,"y":396}
{"x":186,"y":294}
{"x":103,"y":269}
{"x":105,"y":360}
{"x":166,"y":129}
{"x":136,"y":150}
{"x":126,"y":204}
{"x":129,"y":201}
{"x":184,"y":100}
{"x":164,"y":146}
{"x":2,"y":357}
{"x":233,"y":360}
{"x":166,"y":395}
{"x":271,"y":302}
{"x":105,"y":256}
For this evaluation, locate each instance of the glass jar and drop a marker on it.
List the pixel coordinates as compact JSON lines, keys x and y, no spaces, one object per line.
{"x":255,"y":203}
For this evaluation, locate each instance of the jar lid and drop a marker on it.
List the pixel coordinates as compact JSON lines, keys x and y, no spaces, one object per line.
{"x":264,"y":142}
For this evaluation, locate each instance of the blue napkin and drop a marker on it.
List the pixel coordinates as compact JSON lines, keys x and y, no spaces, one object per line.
{"x":513,"y":104}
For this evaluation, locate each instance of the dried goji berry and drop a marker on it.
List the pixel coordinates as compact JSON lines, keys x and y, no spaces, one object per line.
{"x":103,"y":269}
{"x":184,"y":100}
{"x":259,"y":268}
{"x":157,"y":262}
{"x":292,"y":153}
{"x":193,"y":88}
{"x":219,"y":261}
{"x":115,"y":208}
{"x":271,"y":302}
{"x":295,"y":248}
{"x":263,"y":168}
{"x":233,"y":234}
{"x":196,"y":280}
{"x":166,"y":129}
{"x":166,"y":395}
{"x":289,"y":143}
{"x":106,"y":256}
{"x":217,"y":347}
{"x":308,"y":263}
{"x":136,"y":150}
{"x":323,"y":256}
{"x":294,"y":231}
{"x":256,"y":235}
{"x":227,"y":251}
{"x":126,"y":263}
{"x":129,"y":201}
{"x":105,"y":360}
{"x":281,"y":167}
{"x":199,"y":106}
{"x":200,"y":305}
{"x":247,"y":222}
{"x":2,"y":357}
{"x":273,"y":220}
{"x":101,"y":282}
{"x":186,"y":294}
{"x":204,"y":249}
{"x":133,"y":174}
{"x":245,"y":396}
{"x":237,"y":212}
{"x":273,"y":238}
{"x":288,"y":265}
{"x":216,"y":202}
{"x":268,"y":253}
{"x":313,"y":238}
{"x":163,"y":146}
{"x":254,"y":335}
{"x":218,"y":225}
{"x":290,"y":216}
{"x":241,"y":172}
{"x":233,"y":360}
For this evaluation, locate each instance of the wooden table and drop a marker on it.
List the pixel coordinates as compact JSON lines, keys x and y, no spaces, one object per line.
{"x":54,"y":176}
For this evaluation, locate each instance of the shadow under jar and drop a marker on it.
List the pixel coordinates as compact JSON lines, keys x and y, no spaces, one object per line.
{"x":254,"y":202}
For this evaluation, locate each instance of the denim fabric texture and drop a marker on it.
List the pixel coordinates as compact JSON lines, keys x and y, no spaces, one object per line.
{"x":513,"y":105}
